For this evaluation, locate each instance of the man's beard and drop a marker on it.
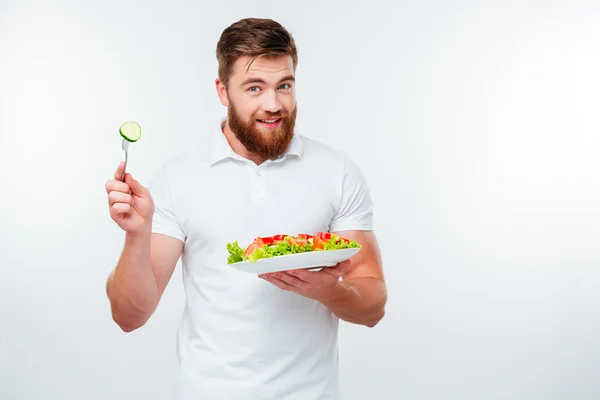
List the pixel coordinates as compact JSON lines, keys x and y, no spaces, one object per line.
{"x":267,"y":144}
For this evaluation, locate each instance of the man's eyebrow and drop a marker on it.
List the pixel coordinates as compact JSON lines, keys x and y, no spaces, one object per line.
{"x":262,"y":81}
{"x":253,"y":80}
{"x":288,"y":78}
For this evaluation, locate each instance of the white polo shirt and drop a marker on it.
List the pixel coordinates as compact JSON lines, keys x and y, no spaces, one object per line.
{"x":241,"y":337}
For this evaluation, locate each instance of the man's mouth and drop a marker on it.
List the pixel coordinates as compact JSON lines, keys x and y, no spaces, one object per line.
{"x":270,"y":123}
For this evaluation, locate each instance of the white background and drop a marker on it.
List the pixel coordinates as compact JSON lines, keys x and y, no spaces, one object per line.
{"x":476,"y":124}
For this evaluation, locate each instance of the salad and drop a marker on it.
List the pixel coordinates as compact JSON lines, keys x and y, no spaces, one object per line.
{"x":280,"y":245}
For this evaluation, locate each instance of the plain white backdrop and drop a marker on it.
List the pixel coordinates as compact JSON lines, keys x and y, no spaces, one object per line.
{"x":476,"y":124}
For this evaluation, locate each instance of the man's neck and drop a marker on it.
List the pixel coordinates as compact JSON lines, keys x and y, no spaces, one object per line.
{"x":237,"y":146}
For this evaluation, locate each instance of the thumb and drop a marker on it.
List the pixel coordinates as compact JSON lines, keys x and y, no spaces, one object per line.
{"x":340,"y":269}
{"x":135,"y":186}
{"x":344,"y":267}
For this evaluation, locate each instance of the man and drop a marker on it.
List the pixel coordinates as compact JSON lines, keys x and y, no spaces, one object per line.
{"x":242,"y":337}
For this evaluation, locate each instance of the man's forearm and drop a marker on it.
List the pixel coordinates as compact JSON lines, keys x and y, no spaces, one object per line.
{"x":132,"y":287}
{"x":360,"y":301}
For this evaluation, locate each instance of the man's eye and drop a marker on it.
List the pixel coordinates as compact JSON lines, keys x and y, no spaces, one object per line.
{"x":285,"y":86}
{"x":254,"y":89}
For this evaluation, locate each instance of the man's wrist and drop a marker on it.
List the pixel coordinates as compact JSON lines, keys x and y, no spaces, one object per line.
{"x":144,"y":234}
{"x":333,"y":294}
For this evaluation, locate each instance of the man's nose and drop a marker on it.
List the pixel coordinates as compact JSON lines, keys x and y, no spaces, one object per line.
{"x":271,"y":102}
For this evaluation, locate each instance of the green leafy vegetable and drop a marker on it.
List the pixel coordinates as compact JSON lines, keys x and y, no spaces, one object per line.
{"x":336,"y":243}
{"x":236,"y":253}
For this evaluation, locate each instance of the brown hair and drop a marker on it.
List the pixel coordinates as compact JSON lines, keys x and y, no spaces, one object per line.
{"x":253,"y":37}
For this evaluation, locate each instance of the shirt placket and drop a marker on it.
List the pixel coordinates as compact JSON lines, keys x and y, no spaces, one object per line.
{"x":259,"y":190}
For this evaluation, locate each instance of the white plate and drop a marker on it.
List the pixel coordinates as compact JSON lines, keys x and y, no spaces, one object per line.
{"x":312,"y":259}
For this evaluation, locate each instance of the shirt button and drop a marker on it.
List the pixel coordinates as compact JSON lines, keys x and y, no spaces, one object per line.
{"x":258,"y":173}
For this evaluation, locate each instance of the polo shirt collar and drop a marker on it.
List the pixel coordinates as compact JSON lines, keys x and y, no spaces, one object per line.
{"x":221,"y":150}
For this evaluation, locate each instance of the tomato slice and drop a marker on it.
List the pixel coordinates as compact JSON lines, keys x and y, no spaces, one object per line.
{"x":298,"y":240}
{"x":324,"y":235}
{"x":256,"y":244}
{"x":317,"y":243}
{"x":267,"y":240}
{"x":305,"y":236}
{"x":279,"y":238}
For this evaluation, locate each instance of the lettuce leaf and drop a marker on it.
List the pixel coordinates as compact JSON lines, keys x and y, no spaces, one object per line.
{"x":236,"y":253}
{"x":336,"y":244}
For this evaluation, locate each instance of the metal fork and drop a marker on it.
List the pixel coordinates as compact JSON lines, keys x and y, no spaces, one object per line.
{"x":125,"y":146}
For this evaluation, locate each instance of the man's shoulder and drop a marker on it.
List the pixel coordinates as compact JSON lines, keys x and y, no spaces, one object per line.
{"x":317,"y":148}
{"x":321,"y":155}
{"x":176,"y":163}
{"x":193,"y":155}
{"x":179,"y":165}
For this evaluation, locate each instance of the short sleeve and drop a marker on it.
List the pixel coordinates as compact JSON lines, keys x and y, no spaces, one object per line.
{"x":165,"y":219}
{"x":355,"y":211}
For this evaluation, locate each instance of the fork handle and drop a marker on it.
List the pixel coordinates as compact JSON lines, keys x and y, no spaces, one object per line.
{"x":124,"y":168}
{"x":125,"y":146}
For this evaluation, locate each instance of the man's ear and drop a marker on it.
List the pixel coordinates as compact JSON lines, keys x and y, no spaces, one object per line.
{"x":222,"y":92}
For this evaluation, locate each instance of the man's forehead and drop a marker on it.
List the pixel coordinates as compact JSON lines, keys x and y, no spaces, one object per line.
{"x":246,"y":66}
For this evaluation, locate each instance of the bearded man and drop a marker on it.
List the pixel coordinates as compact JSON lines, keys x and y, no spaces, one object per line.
{"x":242,"y":337}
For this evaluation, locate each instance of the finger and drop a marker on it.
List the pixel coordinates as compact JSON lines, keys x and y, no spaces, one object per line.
{"x":117,"y":186}
{"x":119,"y":209}
{"x":332,"y":271}
{"x":119,"y":171}
{"x":315,"y":278}
{"x":279,"y":283}
{"x":290,"y":279}
{"x":305,"y":276}
{"x":135,"y":186}
{"x":339,"y":269}
{"x":119,"y":197}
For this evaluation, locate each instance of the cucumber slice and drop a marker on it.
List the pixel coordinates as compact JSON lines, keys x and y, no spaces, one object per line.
{"x":131,"y":131}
